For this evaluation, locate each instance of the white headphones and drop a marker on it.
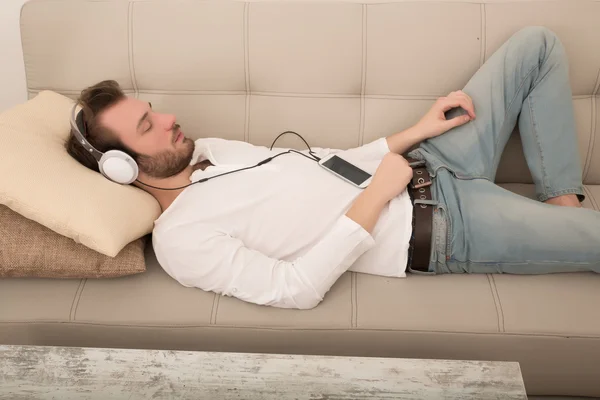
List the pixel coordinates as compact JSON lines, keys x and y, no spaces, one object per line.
{"x":115,"y":165}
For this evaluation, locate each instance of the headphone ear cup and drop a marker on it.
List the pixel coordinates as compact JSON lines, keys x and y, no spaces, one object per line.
{"x":119,"y":167}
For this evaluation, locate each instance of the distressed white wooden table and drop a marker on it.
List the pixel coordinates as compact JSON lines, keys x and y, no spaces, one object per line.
{"x":40,"y":372}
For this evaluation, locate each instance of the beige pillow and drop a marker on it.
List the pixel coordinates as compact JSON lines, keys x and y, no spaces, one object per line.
{"x":30,"y":250}
{"x":42,"y":182}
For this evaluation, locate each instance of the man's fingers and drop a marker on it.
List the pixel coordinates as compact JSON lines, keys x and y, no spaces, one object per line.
{"x":456,"y":100}
{"x":457,"y":121}
{"x":470,"y":108}
{"x":452,"y":102}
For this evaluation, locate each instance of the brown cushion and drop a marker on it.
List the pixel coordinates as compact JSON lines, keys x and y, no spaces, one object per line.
{"x":29,"y":249}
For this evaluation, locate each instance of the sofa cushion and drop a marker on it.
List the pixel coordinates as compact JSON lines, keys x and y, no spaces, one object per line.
{"x":29,"y":249}
{"x":552,"y":304}
{"x":593,"y":196}
{"x":37,"y":300}
{"x":42,"y":182}
{"x":152,"y":298}
{"x":547,"y":323}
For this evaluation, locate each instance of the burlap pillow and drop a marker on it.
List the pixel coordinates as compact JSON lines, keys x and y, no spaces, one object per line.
{"x":28,"y":249}
{"x":41,"y":181}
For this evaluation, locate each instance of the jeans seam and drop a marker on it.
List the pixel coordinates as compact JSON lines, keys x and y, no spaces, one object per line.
{"x":537,"y":140}
{"x":545,"y":61}
{"x":557,"y":193}
{"x":525,"y":262}
{"x":446,"y":216}
{"x":448,"y":254}
{"x":549,"y":53}
{"x":507,"y":110}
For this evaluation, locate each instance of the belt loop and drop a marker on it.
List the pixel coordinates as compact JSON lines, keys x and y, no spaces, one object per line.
{"x":415,"y":164}
{"x":428,"y":202}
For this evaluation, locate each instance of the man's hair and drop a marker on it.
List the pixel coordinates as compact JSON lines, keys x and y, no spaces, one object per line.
{"x":94,"y":100}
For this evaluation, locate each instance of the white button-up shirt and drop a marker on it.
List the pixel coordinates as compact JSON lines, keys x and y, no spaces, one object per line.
{"x":277,"y":234}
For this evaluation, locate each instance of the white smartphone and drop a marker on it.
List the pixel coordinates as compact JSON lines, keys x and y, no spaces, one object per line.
{"x":346,"y":171}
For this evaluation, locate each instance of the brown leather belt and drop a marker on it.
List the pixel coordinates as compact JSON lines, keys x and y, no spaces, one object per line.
{"x":420,"y":243}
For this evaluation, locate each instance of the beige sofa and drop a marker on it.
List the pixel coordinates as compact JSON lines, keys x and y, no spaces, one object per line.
{"x":342,"y":74}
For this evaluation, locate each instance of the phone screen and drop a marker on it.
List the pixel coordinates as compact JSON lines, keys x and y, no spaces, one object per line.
{"x":347,"y":170}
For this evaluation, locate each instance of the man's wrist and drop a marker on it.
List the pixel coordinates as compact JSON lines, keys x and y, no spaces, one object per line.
{"x":366,"y":208}
{"x":417,"y":134}
{"x":401,"y":142}
{"x":372,"y":194}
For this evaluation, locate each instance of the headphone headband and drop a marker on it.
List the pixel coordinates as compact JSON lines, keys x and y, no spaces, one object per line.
{"x":78,"y":126}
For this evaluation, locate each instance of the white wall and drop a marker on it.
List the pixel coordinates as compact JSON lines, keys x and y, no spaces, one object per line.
{"x":12,"y":73}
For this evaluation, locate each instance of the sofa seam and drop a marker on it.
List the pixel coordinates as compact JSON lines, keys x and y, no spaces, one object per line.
{"x":247,"y":71}
{"x":588,"y":160}
{"x":76,"y":299}
{"x":363,"y":76}
{"x":591,"y":141}
{"x":595,"y":204}
{"x":130,"y":49}
{"x":483,"y":35}
{"x":399,"y":97}
{"x":565,"y":336}
{"x":353,"y":300}
{"x":22,"y":40}
{"x":495,"y":302}
{"x":597,"y":84}
{"x":372,"y":2}
{"x":214,"y":310}
{"x":495,"y":288}
{"x":68,"y":91}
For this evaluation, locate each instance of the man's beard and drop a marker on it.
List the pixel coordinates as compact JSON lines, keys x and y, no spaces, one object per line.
{"x":168,"y":163}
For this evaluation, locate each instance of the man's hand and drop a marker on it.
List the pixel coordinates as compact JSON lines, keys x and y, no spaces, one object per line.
{"x":434,"y":123}
{"x":391,"y":178}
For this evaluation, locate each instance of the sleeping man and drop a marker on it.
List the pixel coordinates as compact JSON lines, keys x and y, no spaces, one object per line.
{"x":278,"y":229}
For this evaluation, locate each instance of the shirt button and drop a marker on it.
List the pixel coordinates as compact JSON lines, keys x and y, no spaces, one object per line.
{"x":234,"y":290}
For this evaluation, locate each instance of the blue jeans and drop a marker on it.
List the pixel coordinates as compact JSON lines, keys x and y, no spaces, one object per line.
{"x":480,"y":227}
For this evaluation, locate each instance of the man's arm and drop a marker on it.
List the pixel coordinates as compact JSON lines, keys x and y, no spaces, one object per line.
{"x":401,"y":142}
{"x":391,"y":178}
{"x":434,"y":123}
{"x":213,"y":260}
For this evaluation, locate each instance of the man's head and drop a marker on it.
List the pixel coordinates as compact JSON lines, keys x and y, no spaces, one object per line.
{"x":115,"y":121}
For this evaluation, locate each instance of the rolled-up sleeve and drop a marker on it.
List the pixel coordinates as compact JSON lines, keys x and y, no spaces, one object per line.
{"x":213,"y":260}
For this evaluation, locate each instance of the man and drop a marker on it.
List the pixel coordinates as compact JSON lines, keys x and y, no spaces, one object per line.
{"x":282,"y":233}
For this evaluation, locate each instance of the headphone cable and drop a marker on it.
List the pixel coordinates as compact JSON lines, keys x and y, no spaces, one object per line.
{"x":316,"y":159}
{"x":305,"y":142}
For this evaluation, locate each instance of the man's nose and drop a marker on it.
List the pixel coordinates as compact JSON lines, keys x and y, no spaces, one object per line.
{"x":168,"y":121}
